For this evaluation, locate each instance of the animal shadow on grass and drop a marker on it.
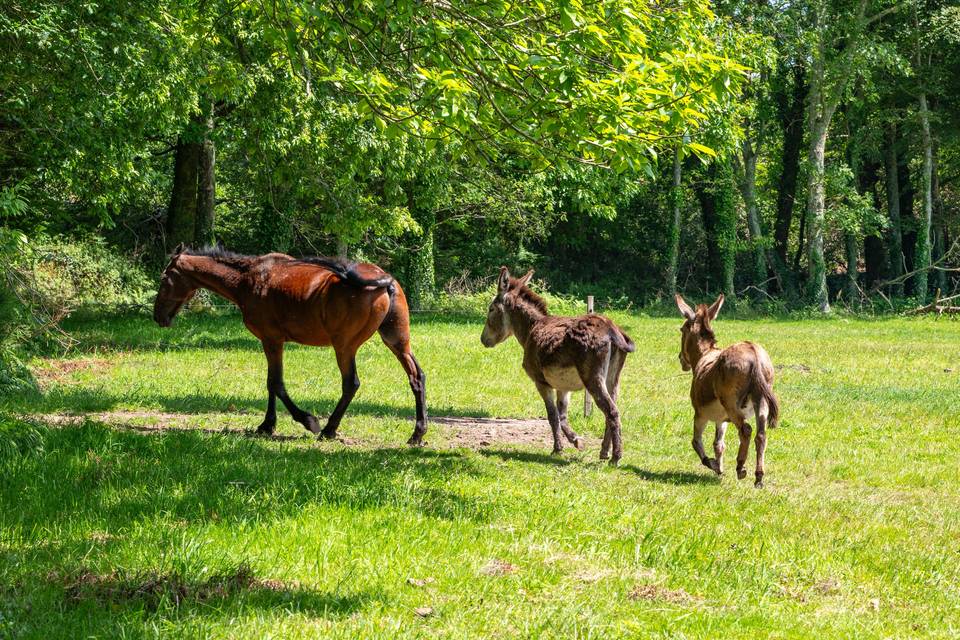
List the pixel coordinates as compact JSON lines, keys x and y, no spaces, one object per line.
{"x":671,"y":477}
{"x":514,"y":455}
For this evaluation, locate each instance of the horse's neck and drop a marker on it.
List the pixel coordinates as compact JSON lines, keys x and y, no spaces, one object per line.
{"x":215,"y":276}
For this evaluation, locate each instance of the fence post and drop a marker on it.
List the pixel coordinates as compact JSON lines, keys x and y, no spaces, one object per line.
{"x":587,"y":401}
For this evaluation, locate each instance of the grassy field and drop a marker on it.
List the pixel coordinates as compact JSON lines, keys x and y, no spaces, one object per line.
{"x":123,"y":530}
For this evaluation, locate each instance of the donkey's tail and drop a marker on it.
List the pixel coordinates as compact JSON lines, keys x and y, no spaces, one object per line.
{"x":346,"y":270}
{"x":761,"y":389}
{"x":622,"y":340}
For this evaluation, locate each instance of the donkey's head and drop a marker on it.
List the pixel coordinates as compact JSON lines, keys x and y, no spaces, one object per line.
{"x":176,"y":289}
{"x":498,"y":328}
{"x":696,"y":334}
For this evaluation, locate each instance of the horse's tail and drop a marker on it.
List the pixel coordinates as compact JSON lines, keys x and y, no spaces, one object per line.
{"x":346,"y":270}
{"x":758,"y":388}
{"x":621,"y":340}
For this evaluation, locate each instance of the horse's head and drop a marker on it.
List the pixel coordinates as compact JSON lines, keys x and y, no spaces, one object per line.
{"x":176,"y":289}
{"x":497,"y":329}
{"x":696,"y":329}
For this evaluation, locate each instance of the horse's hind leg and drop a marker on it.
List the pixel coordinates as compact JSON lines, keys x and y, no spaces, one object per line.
{"x":400,"y":346}
{"x":349,"y":383}
{"x":276,"y":389}
{"x":563,"y":404}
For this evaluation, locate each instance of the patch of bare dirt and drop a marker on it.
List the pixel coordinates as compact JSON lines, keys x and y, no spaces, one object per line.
{"x":498,"y":568}
{"x":476,"y":433}
{"x":661,"y":594}
{"x":152,"y":588}
{"x":54,"y":372}
{"x":466,"y":432}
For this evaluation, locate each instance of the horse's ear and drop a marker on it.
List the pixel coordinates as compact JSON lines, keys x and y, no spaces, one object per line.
{"x":522,"y":282}
{"x":685,"y":309}
{"x":715,"y":307}
{"x":503,"y":282}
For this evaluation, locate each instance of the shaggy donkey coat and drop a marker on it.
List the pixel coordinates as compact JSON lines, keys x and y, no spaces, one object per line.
{"x":728,"y":385}
{"x":562,"y":355}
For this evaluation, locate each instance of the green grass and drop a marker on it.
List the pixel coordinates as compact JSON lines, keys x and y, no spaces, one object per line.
{"x":111,"y":532}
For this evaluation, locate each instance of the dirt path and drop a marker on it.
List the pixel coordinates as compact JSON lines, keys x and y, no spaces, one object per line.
{"x":466,"y":432}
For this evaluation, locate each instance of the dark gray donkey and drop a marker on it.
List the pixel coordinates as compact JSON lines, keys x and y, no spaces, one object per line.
{"x":562,"y":355}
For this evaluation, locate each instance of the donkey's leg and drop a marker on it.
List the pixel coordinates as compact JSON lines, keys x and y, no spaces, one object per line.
{"x":761,"y":442}
{"x":718,"y":446}
{"x":553,"y":415}
{"x":276,"y":388}
{"x":563,"y":403}
{"x":349,"y":383}
{"x":605,"y":403}
{"x":699,"y":424}
{"x":744,"y":429}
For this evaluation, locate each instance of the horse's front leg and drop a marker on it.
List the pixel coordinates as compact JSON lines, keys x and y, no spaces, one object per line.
{"x":275,"y":387}
{"x":553,"y":415}
{"x":349,"y":383}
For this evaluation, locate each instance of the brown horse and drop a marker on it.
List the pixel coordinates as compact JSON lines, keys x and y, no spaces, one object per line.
{"x":728,"y":384}
{"x":562,"y":355}
{"x":312,"y":301}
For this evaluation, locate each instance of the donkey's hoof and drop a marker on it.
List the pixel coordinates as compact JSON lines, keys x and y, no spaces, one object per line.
{"x":759,"y":483}
{"x":264,"y":430}
{"x":614,"y":462}
{"x":578,"y":443}
{"x":604,"y":455}
{"x":741,"y":474}
{"x":327,"y":434}
{"x":416,"y":440}
{"x":556,"y":452}
{"x":708,"y":463}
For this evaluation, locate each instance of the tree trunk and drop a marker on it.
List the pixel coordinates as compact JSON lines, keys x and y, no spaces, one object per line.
{"x":894,"y":238}
{"x":852,"y":249}
{"x":748,"y":188}
{"x":420,"y":289}
{"x":674,"y":247}
{"x":720,"y":224}
{"x":922,"y":255}
{"x":816,"y":265}
{"x":791,"y":119}
{"x":182,"y":211}
{"x":874,"y":250}
{"x":207,"y":188}
{"x":940,"y":224}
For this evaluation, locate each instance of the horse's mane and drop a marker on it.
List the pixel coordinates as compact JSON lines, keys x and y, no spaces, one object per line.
{"x":238,"y":261}
{"x":525,"y":294}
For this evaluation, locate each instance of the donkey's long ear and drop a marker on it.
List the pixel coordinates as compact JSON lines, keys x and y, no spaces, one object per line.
{"x":178,"y":249}
{"x":522,"y":282}
{"x":714,"y":309}
{"x":685,"y":309}
{"x":503,"y":282}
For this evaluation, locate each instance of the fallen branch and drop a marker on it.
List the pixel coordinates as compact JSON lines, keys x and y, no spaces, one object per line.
{"x":937,"y":306}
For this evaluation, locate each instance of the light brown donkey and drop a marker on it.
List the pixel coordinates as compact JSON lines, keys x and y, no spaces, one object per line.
{"x":728,"y":385}
{"x":562,"y":355}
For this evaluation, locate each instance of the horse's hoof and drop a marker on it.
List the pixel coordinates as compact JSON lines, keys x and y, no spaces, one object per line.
{"x":311,"y":424}
{"x":741,"y":474}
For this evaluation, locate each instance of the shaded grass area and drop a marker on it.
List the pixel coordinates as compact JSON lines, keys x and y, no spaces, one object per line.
{"x":109,"y":532}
